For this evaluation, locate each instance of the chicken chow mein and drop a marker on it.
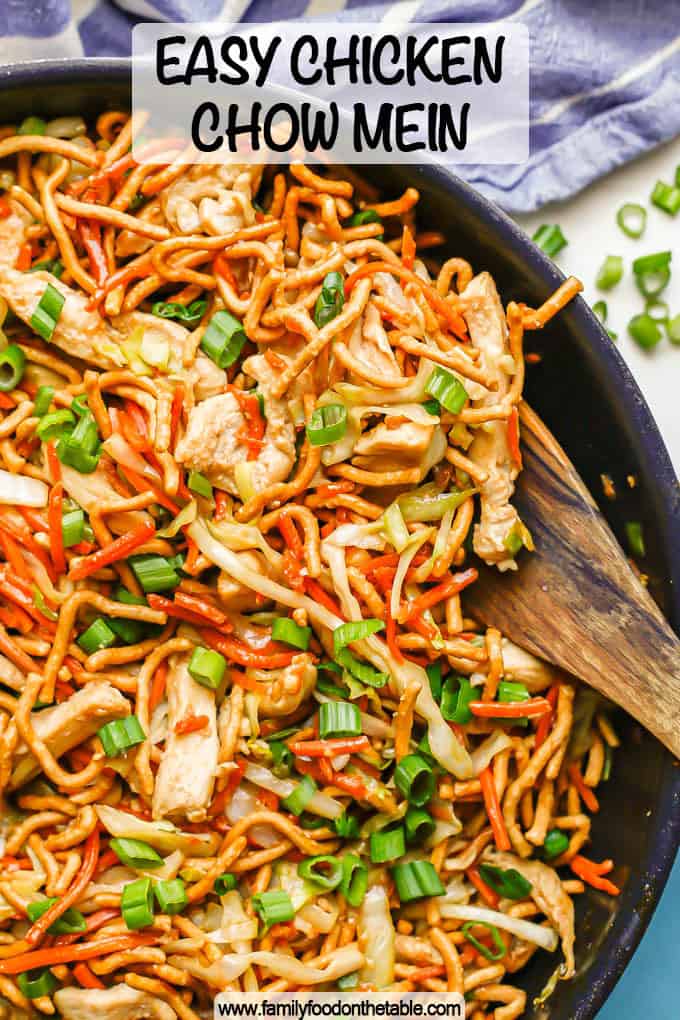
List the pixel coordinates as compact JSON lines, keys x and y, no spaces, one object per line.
{"x":253,"y":440}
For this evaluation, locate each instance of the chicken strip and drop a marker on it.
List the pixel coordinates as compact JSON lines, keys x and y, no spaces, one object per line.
{"x":548,"y":895}
{"x":120,"y":1002}
{"x":186,"y":774}
{"x":490,"y":449}
{"x":213,"y":441}
{"x":66,"y":725}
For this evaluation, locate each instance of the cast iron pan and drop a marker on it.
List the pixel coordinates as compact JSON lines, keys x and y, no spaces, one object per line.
{"x":588,"y":398}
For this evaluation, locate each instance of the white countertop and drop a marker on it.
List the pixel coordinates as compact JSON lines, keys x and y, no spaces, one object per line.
{"x":589,"y":224}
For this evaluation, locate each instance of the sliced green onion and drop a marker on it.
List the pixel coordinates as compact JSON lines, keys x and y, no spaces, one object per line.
{"x":308,"y":821}
{"x":224,"y":883}
{"x":645,"y":331}
{"x":71,"y":921}
{"x":610,"y":272}
{"x":85,"y":435}
{"x":46,"y":315}
{"x":12,"y":367}
{"x":80,"y":406}
{"x":432,"y":406}
{"x":282,"y":758}
{"x":415,"y":880}
{"x":387,"y":845}
{"x":428,"y":504}
{"x":43,"y":399}
{"x":362,"y":217}
{"x":53,"y":266}
{"x":74,"y":455}
{"x":32,"y":126}
{"x":35,"y":984}
{"x":652,"y":282}
{"x":488,"y":954}
{"x":347,"y":826}
{"x":54,"y":424}
{"x":339,"y":719}
{"x":635,"y":538}
{"x":207,"y":667}
{"x":395,"y":529}
{"x":98,"y":635}
{"x":457,"y":693}
{"x":555,"y":843}
{"x":199,"y":484}
{"x":414,"y":779}
{"x":509,"y":690}
{"x":418,"y":825}
{"x":667,"y":197}
{"x":331,"y":689}
{"x":72,"y":527}
{"x":154,"y":573}
{"x":171,"y":895}
{"x":324,"y":870}
{"x":434,"y":676}
{"x":447,"y":389}
{"x":120,"y":735}
{"x":347,"y":982}
{"x":39,"y":602}
{"x":190,"y":314}
{"x":297,"y":801}
{"x":129,"y":631}
{"x":632,"y":219}
{"x":223,"y":339}
{"x":652,"y":263}
{"x":135,"y":854}
{"x":136,"y":904}
{"x":291,"y":633}
{"x":600,"y":310}
{"x":355,"y":630}
{"x":274,"y":907}
{"x":658,"y":310}
{"x":506,"y":881}
{"x":331,"y":299}
{"x":361,"y":671}
{"x":354,"y":880}
{"x":550,"y":239}
{"x":327,"y":424}
{"x":673,"y":330}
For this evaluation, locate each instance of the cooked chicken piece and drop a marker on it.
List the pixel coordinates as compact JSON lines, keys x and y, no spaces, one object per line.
{"x":68,"y":724}
{"x":369,"y":345}
{"x":13,"y":234}
{"x":234,"y":596}
{"x":285,"y":689}
{"x":534,"y":673}
{"x":119,"y":1002}
{"x":91,"y":491}
{"x":10,"y":675}
{"x":548,"y":895}
{"x":212,"y":200}
{"x":186,"y":774}
{"x":213,"y":441}
{"x":415,"y":950}
{"x":407,"y":443}
{"x":485,"y":319}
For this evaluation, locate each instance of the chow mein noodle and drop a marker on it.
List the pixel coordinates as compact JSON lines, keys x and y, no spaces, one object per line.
{"x":254,"y":439}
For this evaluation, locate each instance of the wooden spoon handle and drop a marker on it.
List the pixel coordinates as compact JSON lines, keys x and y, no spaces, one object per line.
{"x":576,"y":602}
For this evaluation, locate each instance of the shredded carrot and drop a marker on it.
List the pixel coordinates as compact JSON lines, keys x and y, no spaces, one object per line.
{"x":330,"y":748}
{"x":451,"y":585}
{"x":488,"y":894}
{"x":6,"y":402}
{"x":119,"y":549}
{"x":158,"y":685}
{"x":591,"y":872}
{"x":493,"y":809}
{"x":271,"y":656}
{"x":16,"y":619}
{"x":12,"y":554}
{"x":198,"y":616}
{"x":444,"y":308}
{"x":513,"y":438}
{"x":408,"y":248}
{"x":54,"y":517}
{"x":585,"y":793}
{"x":290,"y":536}
{"x":255,"y":425}
{"x":530,"y":709}
{"x":220,"y":801}
{"x":24,"y":258}
{"x":90,"y":235}
{"x":5,"y":208}
{"x":176,"y":412}
{"x":53,"y":463}
{"x":85,"y":977}
{"x":71,"y":954}
{"x":142,"y":484}
{"x":320,"y":595}
{"x":222,"y":268}
{"x":545,"y":722}
{"x":190,"y":724}
{"x":37,"y":931}
{"x":269,"y":799}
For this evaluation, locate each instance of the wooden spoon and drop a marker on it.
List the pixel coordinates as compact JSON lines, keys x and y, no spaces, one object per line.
{"x":575,"y":601}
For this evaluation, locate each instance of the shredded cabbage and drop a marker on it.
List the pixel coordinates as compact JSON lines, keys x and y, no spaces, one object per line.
{"x":162,"y":836}
{"x":537,"y":933}
{"x":345,"y":960}
{"x":377,"y":936}
{"x":484,"y":754}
